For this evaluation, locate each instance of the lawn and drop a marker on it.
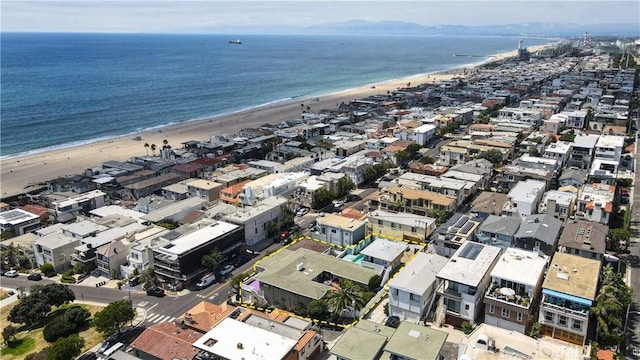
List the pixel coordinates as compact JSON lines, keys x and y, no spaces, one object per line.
{"x":32,"y":341}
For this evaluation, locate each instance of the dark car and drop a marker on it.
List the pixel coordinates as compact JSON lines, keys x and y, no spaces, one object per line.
{"x":392,"y":321}
{"x":155,"y":291}
{"x":134,"y":281}
{"x":88,"y":356}
{"x":241,"y":260}
{"x":35,"y":277}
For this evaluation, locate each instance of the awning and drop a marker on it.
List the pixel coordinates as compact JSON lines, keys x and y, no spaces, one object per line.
{"x":568,"y":297}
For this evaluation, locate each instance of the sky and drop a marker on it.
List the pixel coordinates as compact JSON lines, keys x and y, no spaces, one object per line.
{"x":160,"y":16}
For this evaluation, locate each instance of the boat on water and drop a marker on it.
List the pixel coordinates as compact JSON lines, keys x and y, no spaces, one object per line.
{"x":235,"y":41}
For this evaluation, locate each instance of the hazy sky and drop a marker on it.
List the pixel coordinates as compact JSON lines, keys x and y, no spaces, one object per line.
{"x":193,"y":16}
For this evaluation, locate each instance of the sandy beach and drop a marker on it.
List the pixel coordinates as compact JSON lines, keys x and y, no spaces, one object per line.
{"x":21,"y":174}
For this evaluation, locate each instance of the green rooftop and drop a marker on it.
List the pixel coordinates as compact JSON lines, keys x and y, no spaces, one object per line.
{"x":359,"y":344}
{"x":412,"y":341}
{"x":281,"y":271}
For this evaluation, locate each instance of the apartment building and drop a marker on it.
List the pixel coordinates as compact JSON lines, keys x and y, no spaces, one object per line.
{"x":466,"y":278}
{"x":67,"y":209}
{"x":413,"y":201}
{"x":582,"y":149}
{"x":595,"y":202}
{"x":524,"y":198}
{"x":568,"y":292}
{"x":339,"y":230}
{"x":512,"y":298}
{"x":401,"y":225}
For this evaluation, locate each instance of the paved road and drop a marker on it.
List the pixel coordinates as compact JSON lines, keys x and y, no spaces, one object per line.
{"x":633,"y":320}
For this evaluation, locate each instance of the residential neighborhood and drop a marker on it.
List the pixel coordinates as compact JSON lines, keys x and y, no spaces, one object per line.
{"x":478,"y":218}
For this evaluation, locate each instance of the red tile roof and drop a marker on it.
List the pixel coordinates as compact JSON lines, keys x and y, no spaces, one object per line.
{"x":167,"y":341}
{"x":205,"y":315}
{"x":36,"y":209}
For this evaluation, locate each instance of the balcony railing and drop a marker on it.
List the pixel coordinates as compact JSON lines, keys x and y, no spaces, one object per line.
{"x":562,"y":309}
{"x":516,"y":300}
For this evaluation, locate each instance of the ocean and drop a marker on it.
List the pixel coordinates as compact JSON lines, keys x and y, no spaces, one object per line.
{"x":63,"y":89}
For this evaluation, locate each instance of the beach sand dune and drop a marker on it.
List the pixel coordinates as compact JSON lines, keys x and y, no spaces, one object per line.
{"x":22,"y":173}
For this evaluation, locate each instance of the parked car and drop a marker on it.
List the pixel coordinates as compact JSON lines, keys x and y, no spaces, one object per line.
{"x":302,"y":212}
{"x":88,"y":356}
{"x":35,"y":277}
{"x":134,"y":281}
{"x":392,"y":321}
{"x":227,"y":269}
{"x":155,"y":291}
{"x":11,"y":273}
{"x":241,"y":260}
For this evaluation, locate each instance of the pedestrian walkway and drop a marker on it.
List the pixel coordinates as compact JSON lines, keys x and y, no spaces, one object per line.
{"x":158,"y":318}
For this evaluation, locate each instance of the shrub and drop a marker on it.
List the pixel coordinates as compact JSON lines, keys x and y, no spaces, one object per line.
{"x":374,"y":282}
{"x":467,"y":328}
{"x":48,"y":270}
{"x":57,"y":328}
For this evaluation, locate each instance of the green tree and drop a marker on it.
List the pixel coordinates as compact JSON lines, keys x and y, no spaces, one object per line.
{"x":345,"y":185}
{"x":9,"y":333}
{"x":153,"y":149}
{"x":33,"y":308}
{"x":493,"y":155}
{"x":113,"y":317}
{"x":609,"y":313}
{"x":148,"y":278}
{"x":317,"y":309}
{"x":402,"y":156}
{"x":370,"y":175}
{"x":374,"y":282}
{"x":568,"y":136}
{"x":55,"y":294}
{"x":413,"y":148}
{"x":48,"y":270}
{"x":56,"y":328}
{"x":299,"y":309}
{"x":212,"y":259}
{"x":66,"y":348}
{"x":427,"y":160}
{"x":321,"y":198}
{"x":77,"y":316}
{"x":440,"y":215}
{"x":619,"y":239}
{"x":348,"y":296}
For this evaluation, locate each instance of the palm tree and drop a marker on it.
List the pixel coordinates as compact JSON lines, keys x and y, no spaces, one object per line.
{"x":608,"y":312}
{"x":347,"y":296}
{"x":153,"y":149}
{"x":146,"y":147}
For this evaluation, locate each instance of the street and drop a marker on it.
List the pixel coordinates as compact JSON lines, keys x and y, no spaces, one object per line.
{"x":633,"y":318}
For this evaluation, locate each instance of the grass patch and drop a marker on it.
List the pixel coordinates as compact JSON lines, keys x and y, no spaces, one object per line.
{"x":3,"y":294}
{"x":21,"y":347}
{"x":32,"y":341}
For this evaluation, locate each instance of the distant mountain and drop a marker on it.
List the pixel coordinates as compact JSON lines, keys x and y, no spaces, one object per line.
{"x":360,"y":27}
{"x":398,"y":28}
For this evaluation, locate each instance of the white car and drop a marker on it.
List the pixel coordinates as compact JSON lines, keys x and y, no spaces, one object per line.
{"x":11,"y":273}
{"x":227,"y":269}
{"x":302,"y":212}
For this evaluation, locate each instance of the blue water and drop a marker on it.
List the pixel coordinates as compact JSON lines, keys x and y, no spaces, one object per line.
{"x":61,"y":89}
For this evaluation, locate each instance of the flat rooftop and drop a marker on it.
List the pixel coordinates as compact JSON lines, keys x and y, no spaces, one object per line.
{"x":519,"y":266}
{"x":16,"y":216}
{"x":469,"y":263}
{"x":404,"y":219}
{"x":197,"y":238}
{"x":281,"y":271}
{"x":573,"y":275}
{"x":236,"y":340}
{"x":339,"y":221}
{"x":415,"y":341}
{"x":419,"y":274}
{"x":384,"y":249}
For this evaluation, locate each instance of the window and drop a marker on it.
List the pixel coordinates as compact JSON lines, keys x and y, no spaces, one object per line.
{"x":393,"y":225}
{"x":519,"y":316}
{"x":379,"y":222}
{"x":333,"y":231}
{"x":492,"y":308}
{"x":505,"y":313}
{"x":466,"y":306}
{"x":577,"y":324}
{"x":413,"y":229}
{"x":395,"y":292}
{"x":562,"y":320}
{"x":414,"y":297}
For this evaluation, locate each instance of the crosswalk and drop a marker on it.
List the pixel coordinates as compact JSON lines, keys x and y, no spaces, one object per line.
{"x":158,"y":318}
{"x":209,"y":297}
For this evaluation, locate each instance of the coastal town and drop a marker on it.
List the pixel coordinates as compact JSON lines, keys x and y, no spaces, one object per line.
{"x":485,"y":216}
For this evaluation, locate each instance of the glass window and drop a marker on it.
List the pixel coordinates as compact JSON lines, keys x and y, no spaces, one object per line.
{"x":519,"y":316}
{"x":577,"y":324}
{"x":505,"y":312}
{"x":414,"y":297}
{"x":492,"y":308}
{"x":466,"y":306}
{"x":562,"y":320}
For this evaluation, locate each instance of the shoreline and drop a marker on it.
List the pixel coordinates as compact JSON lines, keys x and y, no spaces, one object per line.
{"x":22,"y":173}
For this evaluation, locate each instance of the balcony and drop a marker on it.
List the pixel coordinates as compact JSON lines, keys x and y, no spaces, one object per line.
{"x":502,"y":295}
{"x":576,"y":312}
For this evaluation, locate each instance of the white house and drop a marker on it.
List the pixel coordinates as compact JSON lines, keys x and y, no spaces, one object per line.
{"x":255,"y":219}
{"x":609,"y":147}
{"x":466,"y":278}
{"x":339,"y":230}
{"x":413,"y":289}
{"x":423,"y":134}
{"x":524,"y":198}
